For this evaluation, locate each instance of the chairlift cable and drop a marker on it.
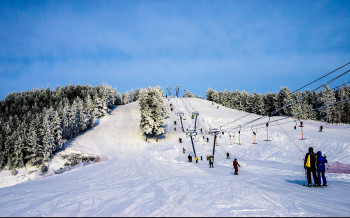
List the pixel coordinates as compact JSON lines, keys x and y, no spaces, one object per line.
{"x":321,"y":77}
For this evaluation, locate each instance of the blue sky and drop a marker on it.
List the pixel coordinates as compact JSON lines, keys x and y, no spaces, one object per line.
{"x":245,"y":45}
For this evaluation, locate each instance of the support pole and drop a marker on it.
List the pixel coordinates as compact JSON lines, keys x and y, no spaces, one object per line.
{"x":214,"y":144}
{"x":194,"y":151}
{"x":239,"y":137}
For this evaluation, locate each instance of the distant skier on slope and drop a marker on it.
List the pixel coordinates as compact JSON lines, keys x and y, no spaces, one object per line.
{"x":189,"y":158}
{"x":321,"y":168}
{"x":227,"y":155}
{"x":310,"y":162}
{"x":321,"y":128}
{"x":236,"y":165}
{"x":211,"y":162}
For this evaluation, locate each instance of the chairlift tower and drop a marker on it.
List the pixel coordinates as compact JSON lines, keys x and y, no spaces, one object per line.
{"x":195,"y":122}
{"x":215,"y":132}
{"x":177,"y":90}
{"x":192,"y":133}
{"x":180,"y":114}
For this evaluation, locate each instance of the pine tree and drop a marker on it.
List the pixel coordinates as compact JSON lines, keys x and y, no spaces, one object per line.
{"x":327,"y":98}
{"x":32,"y":145}
{"x":48,"y":138}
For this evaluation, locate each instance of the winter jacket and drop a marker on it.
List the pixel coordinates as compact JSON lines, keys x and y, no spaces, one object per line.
{"x":310,"y":160}
{"x":321,"y":161}
{"x":235,"y":164}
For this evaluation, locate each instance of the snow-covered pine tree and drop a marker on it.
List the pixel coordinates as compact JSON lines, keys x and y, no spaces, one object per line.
{"x":347,"y":104}
{"x":137,"y":93}
{"x":340,"y":96}
{"x":152,"y":109}
{"x":48,"y":141}
{"x":327,"y":98}
{"x":18,"y":159}
{"x":209,"y":94}
{"x":57,"y":130}
{"x":32,"y":141}
{"x":284,"y":98}
{"x":126,"y":97}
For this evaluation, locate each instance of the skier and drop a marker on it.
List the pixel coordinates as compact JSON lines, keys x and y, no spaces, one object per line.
{"x":236,"y":165}
{"x":174,"y":128}
{"x":174,"y":122}
{"x":207,"y":139}
{"x":180,"y":140}
{"x":321,"y":128}
{"x":211,"y":162}
{"x":189,"y":158}
{"x":201,"y":130}
{"x":201,"y":158}
{"x":196,"y":158}
{"x":217,"y":107}
{"x":227,"y":155}
{"x":321,"y":168}
{"x":183,"y":150}
{"x":310,"y":167}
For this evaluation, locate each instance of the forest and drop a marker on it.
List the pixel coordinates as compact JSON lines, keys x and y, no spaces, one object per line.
{"x":300,"y":102}
{"x":35,"y":124}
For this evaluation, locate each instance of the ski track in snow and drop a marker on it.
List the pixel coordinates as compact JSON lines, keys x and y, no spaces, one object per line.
{"x":154,"y":179}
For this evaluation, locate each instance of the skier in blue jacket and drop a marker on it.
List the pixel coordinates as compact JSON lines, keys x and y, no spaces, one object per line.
{"x":321,"y":168}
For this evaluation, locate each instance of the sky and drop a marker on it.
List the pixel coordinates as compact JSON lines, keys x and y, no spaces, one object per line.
{"x":246,"y":45}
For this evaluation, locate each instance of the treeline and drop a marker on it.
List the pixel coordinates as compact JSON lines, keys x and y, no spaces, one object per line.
{"x":264,"y":104}
{"x":153,"y":111}
{"x":130,"y":96}
{"x":188,"y":94}
{"x":34,"y":124}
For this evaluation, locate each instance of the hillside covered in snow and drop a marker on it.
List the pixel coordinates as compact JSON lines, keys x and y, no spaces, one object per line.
{"x":139,"y":178}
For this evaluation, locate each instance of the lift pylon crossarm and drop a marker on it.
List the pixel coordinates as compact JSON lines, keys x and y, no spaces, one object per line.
{"x":180,"y":114}
{"x":195,"y":113}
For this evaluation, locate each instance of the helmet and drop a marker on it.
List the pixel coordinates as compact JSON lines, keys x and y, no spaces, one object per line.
{"x":311,"y":149}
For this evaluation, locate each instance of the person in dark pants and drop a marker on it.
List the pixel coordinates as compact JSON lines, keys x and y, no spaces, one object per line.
{"x":321,"y":168}
{"x":207,"y":139}
{"x":189,"y":158}
{"x":310,"y":164}
{"x":211,"y":162}
{"x":236,"y":165}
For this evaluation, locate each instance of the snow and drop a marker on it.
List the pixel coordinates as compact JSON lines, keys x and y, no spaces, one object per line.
{"x":139,"y":178}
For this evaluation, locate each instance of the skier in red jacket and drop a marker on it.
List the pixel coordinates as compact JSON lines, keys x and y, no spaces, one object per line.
{"x":236,"y":165}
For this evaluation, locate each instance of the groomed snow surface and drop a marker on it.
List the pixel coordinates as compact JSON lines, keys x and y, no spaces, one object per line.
{"x":155,"y":179}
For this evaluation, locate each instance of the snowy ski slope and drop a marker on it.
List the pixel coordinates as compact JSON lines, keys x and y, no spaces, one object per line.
{"x":154,"y":179}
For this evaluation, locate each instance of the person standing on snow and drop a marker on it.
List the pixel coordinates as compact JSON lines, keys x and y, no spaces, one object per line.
{"x":236,"y":165}
{"x":310,"y":162}
{"x":211,"y":162}
{"x":321,"y":168}
{"x":196,"y":158}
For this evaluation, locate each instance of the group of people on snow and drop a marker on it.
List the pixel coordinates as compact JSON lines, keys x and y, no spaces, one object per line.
{"x":312,"y":163}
